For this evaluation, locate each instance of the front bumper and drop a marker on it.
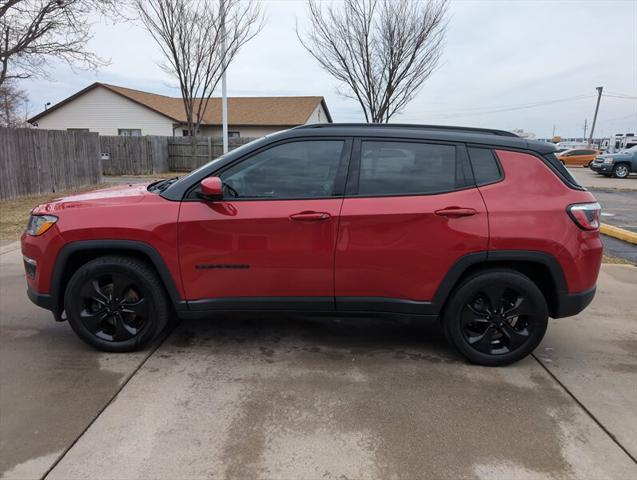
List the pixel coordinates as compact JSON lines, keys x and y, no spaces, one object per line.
{"x":46,"y":301}
{"x":43,"y":300}
{"x":572,"y":304}
{"x":602,"y":167}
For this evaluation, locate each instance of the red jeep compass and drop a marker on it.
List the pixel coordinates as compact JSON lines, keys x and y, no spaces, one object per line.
{"x":486,"y":230}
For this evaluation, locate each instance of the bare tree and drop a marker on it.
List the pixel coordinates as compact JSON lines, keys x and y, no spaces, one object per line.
{"x":33,"y":32}
{"x":198,"y":39}
{"x":382,"y":50}
{"x":13,"y":105}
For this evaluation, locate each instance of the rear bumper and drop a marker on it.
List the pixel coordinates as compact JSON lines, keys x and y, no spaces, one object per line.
{"x":572,"y":304}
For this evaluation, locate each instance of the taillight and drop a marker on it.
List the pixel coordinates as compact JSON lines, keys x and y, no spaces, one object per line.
{"x":585,"y":215}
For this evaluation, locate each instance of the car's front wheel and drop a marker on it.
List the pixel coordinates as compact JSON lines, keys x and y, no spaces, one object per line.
{"x":496,"y":317}
{"x":116,"y":304}
{"x":621,"y":170}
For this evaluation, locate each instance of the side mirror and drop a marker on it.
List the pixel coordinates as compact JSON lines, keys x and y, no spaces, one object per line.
{"x":211,"y":188}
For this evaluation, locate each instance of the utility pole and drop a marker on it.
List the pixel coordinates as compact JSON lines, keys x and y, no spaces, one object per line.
{"x":599,"y":97}
{"x":585,"y":121}
{"x":553,"y":130}
{"x":224,"y":96}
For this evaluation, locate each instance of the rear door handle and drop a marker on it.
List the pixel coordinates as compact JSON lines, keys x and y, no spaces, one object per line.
{"x":310,"y":216}
{"x":456,"y":212}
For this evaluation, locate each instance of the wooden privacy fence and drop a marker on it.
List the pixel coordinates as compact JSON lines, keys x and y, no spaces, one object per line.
{"x":180,"y":157}
{"x":44,"y":161}
{"x":133,"y":155}
{"x":35,"y":161}
{"x":153,"y":154}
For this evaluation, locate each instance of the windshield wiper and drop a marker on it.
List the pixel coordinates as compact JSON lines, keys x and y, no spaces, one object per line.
{"x":162,"y":185}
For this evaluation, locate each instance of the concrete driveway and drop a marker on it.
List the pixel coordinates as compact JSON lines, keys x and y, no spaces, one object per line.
{"x":287,"y":397}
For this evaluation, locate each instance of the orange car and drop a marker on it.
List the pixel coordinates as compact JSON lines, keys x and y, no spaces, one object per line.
{"x":578,"y":156}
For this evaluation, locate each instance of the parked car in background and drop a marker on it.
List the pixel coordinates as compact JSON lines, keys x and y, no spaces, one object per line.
{"x":618,"y":165}
{"x":483,"y":229}
{"x":581,"y":157}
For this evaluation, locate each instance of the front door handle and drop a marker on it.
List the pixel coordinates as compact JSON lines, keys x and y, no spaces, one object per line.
{"x":310,"y":216}
{"x":456,"y":212}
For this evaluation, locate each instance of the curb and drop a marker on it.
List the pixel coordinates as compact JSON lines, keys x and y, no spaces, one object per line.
{"x":618,"y":233}
{"x":10,"y":247}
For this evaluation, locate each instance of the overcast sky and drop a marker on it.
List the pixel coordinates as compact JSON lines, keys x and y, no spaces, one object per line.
{"x":498,"y":56}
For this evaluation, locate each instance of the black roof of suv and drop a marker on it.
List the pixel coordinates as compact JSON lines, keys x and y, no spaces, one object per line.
{"x":449,"y":133}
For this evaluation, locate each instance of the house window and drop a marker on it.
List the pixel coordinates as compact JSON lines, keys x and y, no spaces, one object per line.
{"x":129,"y":132}
{"x":186,"y":133}
{"x":234,"y":134}
{"x":77,"y":129}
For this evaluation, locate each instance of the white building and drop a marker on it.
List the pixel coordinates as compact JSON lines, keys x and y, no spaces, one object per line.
{"x":112,"y":110}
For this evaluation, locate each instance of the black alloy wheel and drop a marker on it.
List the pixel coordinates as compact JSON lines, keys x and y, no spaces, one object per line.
{"x":113,"y":307}
{"x":116,"y":303}
{"x":497,"y":320}
{"x":496,"y":317}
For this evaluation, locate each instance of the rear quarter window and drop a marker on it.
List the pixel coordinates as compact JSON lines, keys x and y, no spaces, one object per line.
{"x":486,"y":168}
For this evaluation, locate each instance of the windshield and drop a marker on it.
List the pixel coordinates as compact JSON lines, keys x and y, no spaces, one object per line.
{"x":632,"y":149}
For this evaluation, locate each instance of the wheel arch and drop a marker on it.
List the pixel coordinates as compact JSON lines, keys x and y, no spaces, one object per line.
{"x":73,"y":255}
{"x":542,"y":268}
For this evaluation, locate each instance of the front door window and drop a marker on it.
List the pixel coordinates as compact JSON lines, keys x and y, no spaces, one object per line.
{"x":306,"y":169}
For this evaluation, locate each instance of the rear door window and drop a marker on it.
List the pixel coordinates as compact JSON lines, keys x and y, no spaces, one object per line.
{"x":408,"y":168}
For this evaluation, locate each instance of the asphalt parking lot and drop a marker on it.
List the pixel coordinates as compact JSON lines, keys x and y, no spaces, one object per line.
{"x":592,"y":180}
{"x":618,"y":198}
{"x":287,"y":397}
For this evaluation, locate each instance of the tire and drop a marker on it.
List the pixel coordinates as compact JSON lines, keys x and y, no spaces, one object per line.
{"x":107,"y":322}
{"x":621,"y":170}
{"x":496,"y":336}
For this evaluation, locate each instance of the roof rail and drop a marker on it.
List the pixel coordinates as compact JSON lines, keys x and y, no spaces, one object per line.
{"x":449,"y":128}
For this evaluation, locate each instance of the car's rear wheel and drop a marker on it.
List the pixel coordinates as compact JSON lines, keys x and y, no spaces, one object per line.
{"x":496,"y":317}
{"x":116,"y":304}
{"x":621,"y":170}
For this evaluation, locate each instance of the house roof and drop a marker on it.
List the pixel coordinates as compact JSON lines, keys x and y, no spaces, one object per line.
{"x":269,"y":111}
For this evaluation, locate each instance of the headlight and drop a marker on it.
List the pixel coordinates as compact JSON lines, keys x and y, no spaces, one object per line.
{"x":38,"y":224}
{"x":608,"y":160}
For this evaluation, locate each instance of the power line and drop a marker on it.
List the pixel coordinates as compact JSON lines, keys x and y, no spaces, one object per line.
{"x":620,"y":94}
{"x":627,"y":97}
{"x":519,"y":105}
{"x":512,"y":108}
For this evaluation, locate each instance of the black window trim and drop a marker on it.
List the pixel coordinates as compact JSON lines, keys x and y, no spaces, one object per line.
{"x":353,"y":177}
{"x":339,"y":182}
{"x":497,"y":161}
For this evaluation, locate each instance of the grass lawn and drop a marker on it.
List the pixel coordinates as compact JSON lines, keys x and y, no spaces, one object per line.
{"x":611,"y":259}
{"x":14,"y":214}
